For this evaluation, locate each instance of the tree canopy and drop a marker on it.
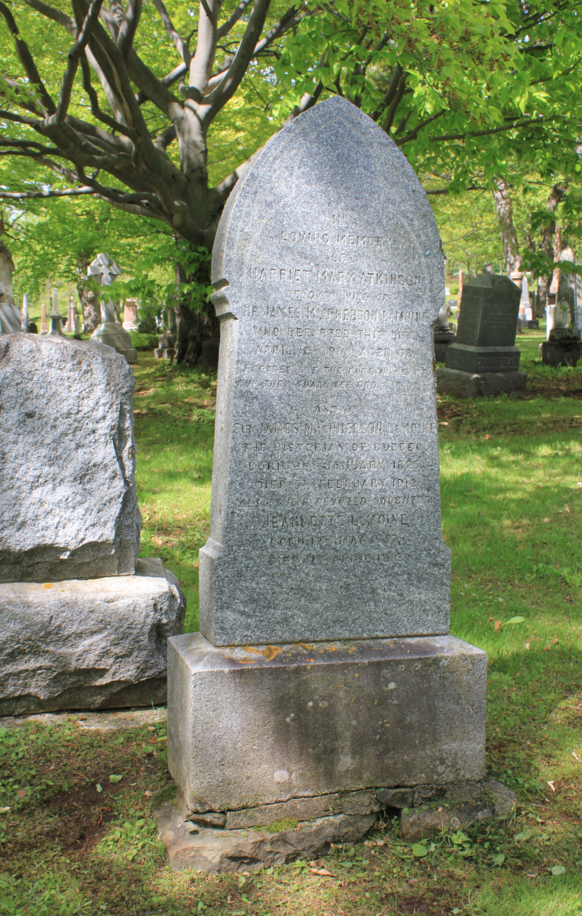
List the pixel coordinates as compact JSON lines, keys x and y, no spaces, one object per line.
{"x":156,"y":108}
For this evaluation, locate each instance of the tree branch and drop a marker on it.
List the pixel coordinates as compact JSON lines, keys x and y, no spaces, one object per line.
{"x":73,"y":60}
{"x":172,"y":33}
{"x":234,"y":17}
{"x":413,"y":134}
{"x":527,"y":122}
{"x":43,"y":195}
{"x":245,"y":52}
{"x":51,"y":13}
{"x":26,"y":59}
{"x":203,"y":60}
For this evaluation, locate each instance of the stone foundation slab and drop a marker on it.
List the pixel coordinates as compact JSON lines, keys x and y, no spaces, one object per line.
{"x":460,"y":384}
{"x":87,"y":643}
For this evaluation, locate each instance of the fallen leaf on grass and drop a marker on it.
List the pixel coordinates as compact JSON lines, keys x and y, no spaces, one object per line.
{"x":419,"y":850}
{"x":551,"y":784}
{"x":515,"y":620}
{"x":157,"y":541}
{"x":487,"y":436}
{"x":23,"y":793}
{"x":4,"y":810}
{"x":115,"y":779}
{"x":558,"y":870}
{"x":497,"y":625}
{"x":323,"y":872}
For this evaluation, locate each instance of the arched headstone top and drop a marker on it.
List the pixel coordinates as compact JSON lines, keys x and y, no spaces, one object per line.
{"x":325,"y":500}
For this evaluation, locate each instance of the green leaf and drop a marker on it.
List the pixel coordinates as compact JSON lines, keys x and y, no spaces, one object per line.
{"x":498,"y":860}
{"x":99,"y":787}
{"x":558,"y":870}
{"x":515,"y":620}
{"x":115,"y":779}
{"x":419,"y":850}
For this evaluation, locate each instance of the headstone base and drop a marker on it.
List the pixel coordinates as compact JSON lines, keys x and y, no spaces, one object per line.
{"x":443,"y":338}
{"x":564,"y":347}
{"x":459,"y":384}
{"x":164,"y":353}
{"x":88,"y":643}
{"x":482,"y":359}
{"x":265,"y":725}
{"x":308,"y":827}
{"x":112,"y":334}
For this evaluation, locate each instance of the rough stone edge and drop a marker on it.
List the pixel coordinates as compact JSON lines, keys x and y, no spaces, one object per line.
{"x":460,"y":384}
{"x":147,"y":693}
{"x":213,"y":849}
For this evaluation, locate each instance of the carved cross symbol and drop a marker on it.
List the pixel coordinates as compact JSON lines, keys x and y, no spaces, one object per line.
{"x":105,"y":267}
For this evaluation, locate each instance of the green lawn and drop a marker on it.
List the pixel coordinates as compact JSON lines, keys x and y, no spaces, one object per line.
{"x":75,"y":841}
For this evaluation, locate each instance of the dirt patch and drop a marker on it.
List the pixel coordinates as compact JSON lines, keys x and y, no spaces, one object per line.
{"x":80,"y":816}
{"x":421,"y":905}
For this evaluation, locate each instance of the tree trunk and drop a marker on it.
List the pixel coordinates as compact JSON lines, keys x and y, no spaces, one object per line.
{"x":198,"y":331}
{"x":557,"y":194}
{"x":506,"y":226}
{"x":88,"y":298}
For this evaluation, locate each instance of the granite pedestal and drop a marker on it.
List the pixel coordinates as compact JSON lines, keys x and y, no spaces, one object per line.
{"x":113,"y":335}
{"x":563,"y":348}
{"x":458,"y":384}
{"x":87,"y":644}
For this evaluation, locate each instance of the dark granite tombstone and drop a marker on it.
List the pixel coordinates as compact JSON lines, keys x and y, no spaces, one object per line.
{"x":487,"y":327}
{"x":484,"y":359}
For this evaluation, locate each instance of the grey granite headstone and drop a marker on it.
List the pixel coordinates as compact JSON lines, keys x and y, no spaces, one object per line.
{"x":487,"y":327}
{"x":325,"y":494}
{"x":67,"y":461}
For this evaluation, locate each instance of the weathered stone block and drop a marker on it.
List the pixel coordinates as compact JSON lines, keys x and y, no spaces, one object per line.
{"x":67,"y":468}
{"x":458,"y":384}
{"x":216,"y":851}
{"x":88,"y":643}
{"x":262,"y":725}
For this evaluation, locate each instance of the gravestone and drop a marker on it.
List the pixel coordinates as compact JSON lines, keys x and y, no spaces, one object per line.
{"x":324,"y":675}
{"x":443,"y":335}
{"x":43,"y":321}
{"x":563,"y":346}
{"x":484,"y":359}
{"x":83,"y":624}
{"x":110,"y":331}
{"x":10,"y":317}
{"x":130,"y":319}
{"x":25,"y":313}
{"x":56,"y":325}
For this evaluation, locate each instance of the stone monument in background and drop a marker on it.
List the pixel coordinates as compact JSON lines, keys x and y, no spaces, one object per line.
{"x":324,"y":685}
{"x":130,"y":319}
{"x":443,"y":335}
{"x":10,"y":317}
{"x":84,"y":622}
{"x":484,"y":360}
{"x":110,"y":331}
{"x":563,"y":346}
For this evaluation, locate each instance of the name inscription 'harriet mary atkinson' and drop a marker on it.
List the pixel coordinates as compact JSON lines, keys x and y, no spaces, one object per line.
{"x":325,"y":495}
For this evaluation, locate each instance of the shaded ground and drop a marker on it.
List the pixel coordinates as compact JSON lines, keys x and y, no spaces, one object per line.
{"x":76,"y":834}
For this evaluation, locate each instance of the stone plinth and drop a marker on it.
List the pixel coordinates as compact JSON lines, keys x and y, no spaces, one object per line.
{"x":261,"y":725}
{"x":112,"y":334}
{"x":88,"y":644}
{"x":67,"y":476}
{"x":459,"y":384}
{"x":443,"y":338}
{"x":563,"y":348}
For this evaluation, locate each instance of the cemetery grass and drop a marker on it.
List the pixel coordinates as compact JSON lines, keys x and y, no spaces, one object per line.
{"x":76,"y":831}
